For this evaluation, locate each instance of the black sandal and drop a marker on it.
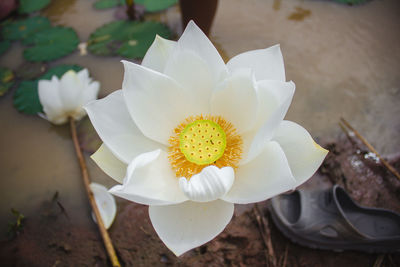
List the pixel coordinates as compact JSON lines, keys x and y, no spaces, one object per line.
{"x":331,"y":220}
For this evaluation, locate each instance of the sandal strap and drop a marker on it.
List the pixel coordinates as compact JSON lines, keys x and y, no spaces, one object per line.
{"x":333,"y":223}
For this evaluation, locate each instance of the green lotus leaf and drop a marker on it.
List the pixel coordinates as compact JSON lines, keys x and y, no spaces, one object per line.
{"x":4,"y":45}
{"x":52,"y":43}
{"x":59,"y":71}
{"x":104,"y":4}
{"x":28,"y":6}
{"x":149,"y":5}
{"x":26,"y":98}
{"x":126,"y":38}
{"x":24,"y":29}
{"x":6,"y":80}
{"x":156,"y":5}
{"x":102,"y":40}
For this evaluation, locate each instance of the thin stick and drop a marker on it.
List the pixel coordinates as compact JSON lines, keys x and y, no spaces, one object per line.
{"x":85,"y":175}
{"x":265,"y":233}
{"x":372,"y":149}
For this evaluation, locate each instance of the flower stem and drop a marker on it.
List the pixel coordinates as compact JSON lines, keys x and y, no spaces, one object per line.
{"x":85,"y":175}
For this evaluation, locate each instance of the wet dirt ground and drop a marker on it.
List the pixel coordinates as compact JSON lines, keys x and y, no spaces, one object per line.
{"x":345,"y":62}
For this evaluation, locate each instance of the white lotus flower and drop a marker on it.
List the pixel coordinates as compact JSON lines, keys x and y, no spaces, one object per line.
{"x":65,"y":97}
{"x":189,"y":136}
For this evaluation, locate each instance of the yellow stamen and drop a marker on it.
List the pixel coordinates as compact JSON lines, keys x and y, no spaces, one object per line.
{"x":201,"y":141}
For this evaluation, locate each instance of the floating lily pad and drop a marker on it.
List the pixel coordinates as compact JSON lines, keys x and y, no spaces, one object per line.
{"x":28,"y":6}
{"x":52,"y":43}
{"x":24,"y":29}
{"x":156,"y":5}
{"x":26,"y":98}
{"x":104,"y":4}
{"x":149,"y":5}
{"x":6,"y":80}
{"x":4,"y":45}
{"x":59,"y":71}
{"x":126,"y":38}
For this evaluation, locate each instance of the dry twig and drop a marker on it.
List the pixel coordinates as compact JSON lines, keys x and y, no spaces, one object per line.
{"x":263,"y":226}
{"x":85,"y":175}
{"x":370,"y":147}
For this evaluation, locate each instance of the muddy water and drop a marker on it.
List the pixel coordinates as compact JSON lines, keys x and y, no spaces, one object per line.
{"x":344,"y":60}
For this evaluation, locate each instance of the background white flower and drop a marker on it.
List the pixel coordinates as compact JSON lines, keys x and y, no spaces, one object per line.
{"x":65,"y":97}
{"x":183,"y":82}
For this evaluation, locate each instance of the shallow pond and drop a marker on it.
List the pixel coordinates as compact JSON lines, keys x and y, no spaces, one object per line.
{"x":344,"y":60}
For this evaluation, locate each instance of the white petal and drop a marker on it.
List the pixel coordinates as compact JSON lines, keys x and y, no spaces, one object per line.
{"x":150,"y":181}
{"x":90,"y":92}
{"x":158,"y":53}
{"x":192,"y":73}
{"x":110,"y":164}
{"x":266,"y":63}
{"x":266,"y":131}
{"x":83,"y":76}
{"x":235,"y":99}
{"x":50,"y":99}
{"x":264,"y":177}
{"x":191,"y":224}
{"x":303,"y":154}
{"x":271,"y":95}
{"x":112,"y":121}
{"x":208,"y":185}
{"x":274,"y":98}
{"x":195,"y":40}
{"x":156,"y":103}
{"x":70,"y":91}
{"x":105,"y":203}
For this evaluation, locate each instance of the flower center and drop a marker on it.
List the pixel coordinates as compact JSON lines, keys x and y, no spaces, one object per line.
{"x":202,"y":142}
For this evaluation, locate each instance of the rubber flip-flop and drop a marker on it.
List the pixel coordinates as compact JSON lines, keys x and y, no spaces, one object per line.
{"x":330,"y":219}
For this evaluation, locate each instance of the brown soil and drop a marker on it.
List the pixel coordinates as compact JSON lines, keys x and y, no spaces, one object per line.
{"x":51,"y":238}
